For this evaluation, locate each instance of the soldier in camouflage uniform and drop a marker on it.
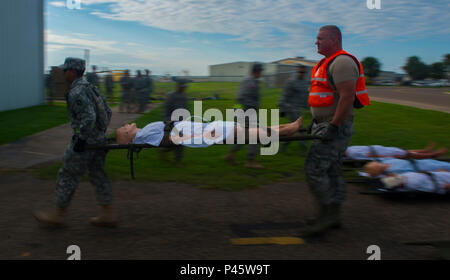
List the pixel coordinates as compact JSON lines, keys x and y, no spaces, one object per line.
{"x":248,"y":97}
{"x":92,"y":77}
{"x":149,"y":86}
{"x":294,"y":100}
{"x":140,"y":85}
{"x":89,"y":116}
{"x":175,"y":100}
{"x":109,"y":85}
{"x":126,"y":82}
{"x":334,"y":124}
{"x":49,"y":88}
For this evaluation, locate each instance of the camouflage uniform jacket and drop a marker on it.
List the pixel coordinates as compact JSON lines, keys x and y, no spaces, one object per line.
{"x":109,"y":83}
{"x":248,"y":94}
{"x":92,"y":78}
{"x":148,"y":83}
{"x":140,"y":84}
{"x":295,"y":95}
{"x":82,"y":111}
{"x":175,"y":100}
{"x":126,"y":83}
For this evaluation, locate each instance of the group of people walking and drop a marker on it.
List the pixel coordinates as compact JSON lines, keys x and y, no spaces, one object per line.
{"x":337,"y":86}
{"x":136,"y":91}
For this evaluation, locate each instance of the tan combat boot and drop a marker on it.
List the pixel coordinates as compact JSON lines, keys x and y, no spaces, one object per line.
{"x":107,"y":217}
{"x":253,"y":164}
{"x":51,"y":218}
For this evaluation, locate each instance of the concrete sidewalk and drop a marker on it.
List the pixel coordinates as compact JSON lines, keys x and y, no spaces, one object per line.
{"x":49,"y":145}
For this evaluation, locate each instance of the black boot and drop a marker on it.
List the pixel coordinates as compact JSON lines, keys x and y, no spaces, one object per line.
{"x":330,"y":218}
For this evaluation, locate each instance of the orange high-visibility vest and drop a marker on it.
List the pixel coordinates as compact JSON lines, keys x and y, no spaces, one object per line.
{"x":321,"y":93}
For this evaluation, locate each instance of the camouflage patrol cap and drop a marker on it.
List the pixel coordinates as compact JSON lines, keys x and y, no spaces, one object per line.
{"x":73,"y":63}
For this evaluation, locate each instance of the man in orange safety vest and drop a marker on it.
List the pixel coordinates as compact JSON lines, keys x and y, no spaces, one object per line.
{"x":337,"y":86}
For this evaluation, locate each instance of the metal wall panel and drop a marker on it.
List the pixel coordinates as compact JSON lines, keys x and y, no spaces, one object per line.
{"x":21,"y":54}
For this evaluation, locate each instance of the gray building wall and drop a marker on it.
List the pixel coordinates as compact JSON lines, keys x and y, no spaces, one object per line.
{"x":229,"y":72}
{"x":21,"y":54}
{"x":278,"y":74}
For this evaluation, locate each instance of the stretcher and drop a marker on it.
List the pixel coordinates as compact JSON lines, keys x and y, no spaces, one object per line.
{"x":134,"y":149}
{"x":376,"y":183}
{"x":378,"y":188}
{"x":356,"y":165}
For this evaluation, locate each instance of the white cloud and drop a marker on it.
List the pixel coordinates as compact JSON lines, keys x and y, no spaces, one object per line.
{"x":78,"y":41}
{"x":133,"y":44}
{"x":129,"y":55}
{"x":283,"y":23}
{"x":53,"y":47}
{"x":58,"y":3}
{"x":261,"y":25}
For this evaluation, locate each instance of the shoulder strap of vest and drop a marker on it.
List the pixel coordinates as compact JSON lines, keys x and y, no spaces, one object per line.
{"x":330,"y":78}
{"x":320,"y":63}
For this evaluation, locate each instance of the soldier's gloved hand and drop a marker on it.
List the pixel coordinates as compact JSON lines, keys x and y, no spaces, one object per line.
{"x":79,"y":145}
{"x":331,"y":133}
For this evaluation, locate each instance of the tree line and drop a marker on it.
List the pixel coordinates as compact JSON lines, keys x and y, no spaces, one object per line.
{"x":414,"y":67}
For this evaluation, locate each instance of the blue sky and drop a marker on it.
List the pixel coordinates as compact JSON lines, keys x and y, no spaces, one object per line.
{"x":169,"y":36}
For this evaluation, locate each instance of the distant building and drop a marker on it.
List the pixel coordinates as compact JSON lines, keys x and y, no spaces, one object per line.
{"x":297,"y":60}
{"x":21,"y":54}
{"x":275,"y":73}
{"x":229,"y":72}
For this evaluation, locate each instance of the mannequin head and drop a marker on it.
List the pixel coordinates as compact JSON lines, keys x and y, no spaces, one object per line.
{"x":375,"y":168}
{"x":126,"y":133}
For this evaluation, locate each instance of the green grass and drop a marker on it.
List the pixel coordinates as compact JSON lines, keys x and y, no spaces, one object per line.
{"x":225,"y":90}
{"x":401,"y":126}
{"x":19,"y":123}
{"x":379,"y":123}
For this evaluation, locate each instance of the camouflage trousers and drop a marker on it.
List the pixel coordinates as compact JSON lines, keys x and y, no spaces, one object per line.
{"x":252,"y":149}
{"x":109,"y":93}
{"x":178,"y":150}
{"x":143,"y":99}
{"x":125,"y":100}
{"x":323,"y":164}
{"x":293,"y":116}
{"x":75,"y":165}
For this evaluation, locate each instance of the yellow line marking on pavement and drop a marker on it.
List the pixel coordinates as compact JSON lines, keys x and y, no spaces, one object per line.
{"x":267,"y":240}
